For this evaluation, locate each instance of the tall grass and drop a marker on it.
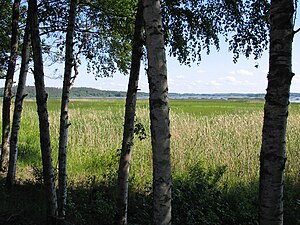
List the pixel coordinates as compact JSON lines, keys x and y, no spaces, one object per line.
{"x":231,"y":139}
{"x":215,"y":149}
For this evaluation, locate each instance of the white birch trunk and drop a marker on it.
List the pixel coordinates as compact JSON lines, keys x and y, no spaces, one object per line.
{"x":128,"y":134}
{"x":159,"y":113}
{"x":64,"y":116}
{"x":41,"y":99}
{"x":11,"y":174}
{"x":273,"y":154}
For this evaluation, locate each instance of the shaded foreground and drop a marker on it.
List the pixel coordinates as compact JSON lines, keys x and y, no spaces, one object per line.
{"x":215,"y":159}
{"x":198,"y":199}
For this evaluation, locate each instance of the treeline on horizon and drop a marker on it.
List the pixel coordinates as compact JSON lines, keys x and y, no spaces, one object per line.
{"x":87,"y":92}
{"x":76,"y":92}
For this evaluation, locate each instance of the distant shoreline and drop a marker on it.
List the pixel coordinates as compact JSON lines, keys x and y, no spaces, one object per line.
{"x":93,"y":93}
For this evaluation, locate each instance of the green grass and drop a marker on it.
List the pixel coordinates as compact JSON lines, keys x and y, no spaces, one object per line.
{"x":214,"y":107}
{"x":215,"y":149}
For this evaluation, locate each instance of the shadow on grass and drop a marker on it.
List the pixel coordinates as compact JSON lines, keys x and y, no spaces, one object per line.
{"x":24,"y":205}
{"x":28,"y":155}
{"x":199,"y":198}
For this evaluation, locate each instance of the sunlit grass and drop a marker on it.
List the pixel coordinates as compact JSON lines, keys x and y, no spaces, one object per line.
{"x":212,"y":133}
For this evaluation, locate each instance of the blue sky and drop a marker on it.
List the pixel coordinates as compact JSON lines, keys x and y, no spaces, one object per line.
{"x":216,"y":73}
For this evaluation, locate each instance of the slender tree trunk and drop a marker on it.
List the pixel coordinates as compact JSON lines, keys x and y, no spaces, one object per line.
{"x":273,"y":155}
{"x":41,"y":98}
{"x":159,"y":113}
{"x":128,"y":134}
{"x":64,"y":124}
{"x":10,"y":179}
{"x":8,"y":86}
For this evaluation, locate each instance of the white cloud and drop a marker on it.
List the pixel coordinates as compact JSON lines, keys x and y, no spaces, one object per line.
{"x":182,"y":87}
{"x":247,"y":83}
{"x":171,"y":81}
{"x":214,"y":83}
{"x":179,"y":76}
{"x":201,"y":71}
{"x":229,"y":79}
{"x":244,"y":72}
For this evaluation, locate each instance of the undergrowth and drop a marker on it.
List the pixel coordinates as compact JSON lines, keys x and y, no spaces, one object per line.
{"x":215,"y":163}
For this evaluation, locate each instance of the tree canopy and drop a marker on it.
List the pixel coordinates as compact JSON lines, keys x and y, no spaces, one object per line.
{"x":103,"y":34}
{"x":5,"y":34}
{"x":192,"y":26}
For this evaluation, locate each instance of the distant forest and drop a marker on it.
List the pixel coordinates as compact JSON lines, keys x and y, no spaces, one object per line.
{"x":76,"y":92}
{"x":84,"y":92}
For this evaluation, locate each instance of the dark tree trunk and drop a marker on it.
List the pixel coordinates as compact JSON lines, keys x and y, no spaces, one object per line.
{"x":10,"y":179}
{"x":8,"y":86}
{"x":273,"y":155}
{"x":64,"y":117}
{"x":159,"y":113}
{"x":128,"y":134}
{"x":41,"y":98}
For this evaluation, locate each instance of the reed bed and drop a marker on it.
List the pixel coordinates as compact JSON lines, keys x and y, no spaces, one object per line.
{"x":231,"y":140}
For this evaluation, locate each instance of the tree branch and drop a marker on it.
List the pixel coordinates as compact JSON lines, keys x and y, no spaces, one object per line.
{"x":76,"y":66}
{"x":296,"y":31}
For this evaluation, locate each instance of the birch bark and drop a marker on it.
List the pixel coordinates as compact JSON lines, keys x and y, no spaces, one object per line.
{"x":41,"y":99}
{"x":159,"y":113}
{"x":273,"y":154}
{"x":64,"y":116}
{"x":10,"y":179}
{"x":128,"y":134}
{"x":8,"y":87}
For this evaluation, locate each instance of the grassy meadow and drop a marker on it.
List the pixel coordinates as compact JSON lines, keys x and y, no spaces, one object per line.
{"x":215,"y":149}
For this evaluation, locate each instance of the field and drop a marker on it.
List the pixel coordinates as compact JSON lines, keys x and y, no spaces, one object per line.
{"x":215,"y":149}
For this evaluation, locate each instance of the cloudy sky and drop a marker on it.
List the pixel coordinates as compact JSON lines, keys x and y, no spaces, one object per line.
{"x":216,"y":73}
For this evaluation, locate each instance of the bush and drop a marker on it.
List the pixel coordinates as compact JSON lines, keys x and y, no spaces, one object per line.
{"x":197,"y":198}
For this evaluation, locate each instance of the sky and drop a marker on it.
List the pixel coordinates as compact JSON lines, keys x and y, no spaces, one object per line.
{"x":216,"y":73}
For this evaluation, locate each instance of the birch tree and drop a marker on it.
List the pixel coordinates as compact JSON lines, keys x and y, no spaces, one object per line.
{"x":128,"y":133}
{"x":191,"y":27}
{"x":273,"y":150}
{"x":10,"y":179}
{"x":64,"y":116}
{"x":8,"y":87}
{"x":41,"y":99}
{"x":159,"y":113}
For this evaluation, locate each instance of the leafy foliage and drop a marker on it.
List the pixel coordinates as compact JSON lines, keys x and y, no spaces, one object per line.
{"x":199,"y":196}
{"x":104,"y":30}
{"x":140,"y":130}
{"x":5,"y":35}
{"x":109,"y":41}
{"x":192,"y":26}
{"x":103,"y":33}
{"x":246,"y":26}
